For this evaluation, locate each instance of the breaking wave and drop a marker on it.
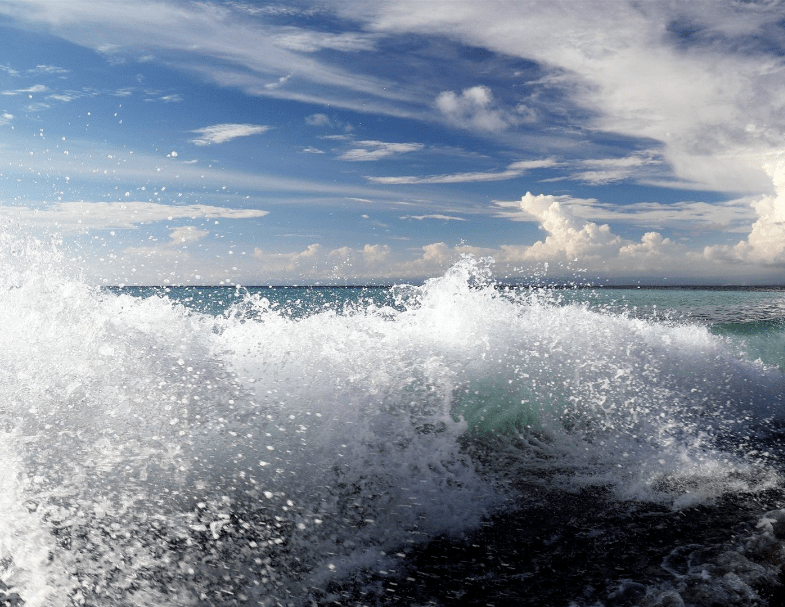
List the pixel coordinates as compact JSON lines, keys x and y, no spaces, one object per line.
{"x":154,"y":454}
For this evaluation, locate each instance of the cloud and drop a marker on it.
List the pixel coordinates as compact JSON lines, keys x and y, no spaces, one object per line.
{"x":610,"y":170}
{"x":310,"y":41}
{"x":219,"y":42}
{"x":316,"y":262}
{"x":765,"y":243}
{"x":618,"y":67}
{"x":312,"y":150}
{"x":187,"y":234}
{"x":516,"y":169}
{"x":731,"y":216}
{"x":221,"y":133}
{"x":91,"y":161}
{"x":49,"y":69}
{"x":570,"y":242}
{"x":704,"y":79}
{"x":288,"y":263}
{"x":318,"y":120}
{"x":323,"y":120}
{"x":700,"y":83}
{"x":568,"y":238}
{"x":652,"y":244}
{"x":453,"y":178}
{"x":36,"y":88}
{"x":84,"y":216}
{"x":571,"y":246}
{"x":528,"y":165}
{"x":278,"y":83}
{"x":376,"y":150}
{"x":177,"y":261}
{"x":435,"y":216}
{"x":9,"y":70}
{"x":66,"y":97}
{"x":475,"y":108}
{"x":370,"y":256}
{"x":169,"y":262}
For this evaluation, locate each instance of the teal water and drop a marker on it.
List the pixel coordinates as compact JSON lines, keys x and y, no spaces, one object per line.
{"x":295,"y":302}
{"x":752,"y":318}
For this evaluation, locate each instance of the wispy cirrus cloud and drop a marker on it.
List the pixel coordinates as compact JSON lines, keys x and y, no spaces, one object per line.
{"x":83,"y":216}
{"x":608,"y":170}
{"x":221,"y":133}
{"x":516,"y":169}
{"x":36,"y":88}
{"x":7,"y":69}
{"x":66,"y":97}
{"x":174,"y":98}
{"x":309,"y":41}
{"x":220,"y":42}
{"x":49,"y":69}
{"x":434,"y":216}
{"x":278,"y":83}
{"x":376,"y":150}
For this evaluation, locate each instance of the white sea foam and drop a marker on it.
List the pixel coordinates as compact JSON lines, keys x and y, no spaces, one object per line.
{"x":147,"y":446}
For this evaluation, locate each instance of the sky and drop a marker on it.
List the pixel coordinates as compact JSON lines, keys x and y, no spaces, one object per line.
{"x":316,"y":142}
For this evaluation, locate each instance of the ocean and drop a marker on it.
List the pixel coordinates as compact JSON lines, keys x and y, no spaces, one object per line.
{"x":461,"y":442}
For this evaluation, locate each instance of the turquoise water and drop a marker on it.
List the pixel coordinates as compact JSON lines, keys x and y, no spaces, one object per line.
{"x":294,"y":302}
{"x":752,"y":318}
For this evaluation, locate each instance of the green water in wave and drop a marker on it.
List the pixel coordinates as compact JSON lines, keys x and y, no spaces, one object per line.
{"x":762,"y":340}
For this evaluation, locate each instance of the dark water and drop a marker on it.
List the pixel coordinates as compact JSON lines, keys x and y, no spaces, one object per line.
{"x":458,"y":443}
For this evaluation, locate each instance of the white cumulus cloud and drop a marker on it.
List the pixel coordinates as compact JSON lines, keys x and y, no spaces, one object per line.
{"x":475,"y":108}
{"x":568,"y":237}
{"x":765,"y":243}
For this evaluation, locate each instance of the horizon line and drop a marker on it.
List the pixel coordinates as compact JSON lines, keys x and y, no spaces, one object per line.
{"x":554,"y":285}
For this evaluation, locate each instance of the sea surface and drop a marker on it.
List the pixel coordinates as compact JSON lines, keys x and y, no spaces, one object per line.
{"x":460,"y":442}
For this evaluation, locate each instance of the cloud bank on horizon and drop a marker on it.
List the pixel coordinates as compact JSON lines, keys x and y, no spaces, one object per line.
{"x":235,"y":142}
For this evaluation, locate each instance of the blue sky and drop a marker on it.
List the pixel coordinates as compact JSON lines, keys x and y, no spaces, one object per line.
{"x":178,"y":142}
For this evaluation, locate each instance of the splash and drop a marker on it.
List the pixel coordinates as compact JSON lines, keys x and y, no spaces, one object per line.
{"x":154,"y":454}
